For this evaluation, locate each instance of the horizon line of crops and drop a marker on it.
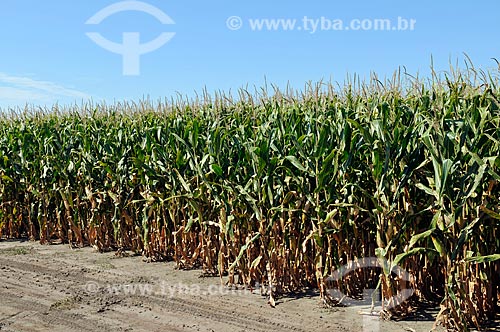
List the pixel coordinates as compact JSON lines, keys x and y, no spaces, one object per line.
{"x":281,"y":189}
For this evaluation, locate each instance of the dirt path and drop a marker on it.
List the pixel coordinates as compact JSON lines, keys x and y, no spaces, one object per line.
{"x":55,"y":288}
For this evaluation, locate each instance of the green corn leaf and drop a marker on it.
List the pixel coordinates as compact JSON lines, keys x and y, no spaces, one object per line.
{"x":295,"y":162}
{"x":243,"y":249}
{"x":438,"y":244}
{"x":216,"y":169}
{"x":483,"y":259}
{"x":401,"y":257}
{"x":415,"y":238}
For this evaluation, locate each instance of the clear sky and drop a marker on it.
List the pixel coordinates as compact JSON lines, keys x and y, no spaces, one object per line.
{"x":46,"y":56}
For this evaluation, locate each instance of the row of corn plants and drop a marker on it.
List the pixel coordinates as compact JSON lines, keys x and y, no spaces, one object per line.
{"x":279,"y":190}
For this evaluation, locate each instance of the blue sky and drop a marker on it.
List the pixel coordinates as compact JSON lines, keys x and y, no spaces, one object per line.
{"x":46,"y":56}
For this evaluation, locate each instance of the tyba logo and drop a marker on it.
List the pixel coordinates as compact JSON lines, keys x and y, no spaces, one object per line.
{"x":131,"y":48}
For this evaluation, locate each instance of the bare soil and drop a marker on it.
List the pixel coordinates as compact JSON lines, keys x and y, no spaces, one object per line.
{"x":57,"y":288}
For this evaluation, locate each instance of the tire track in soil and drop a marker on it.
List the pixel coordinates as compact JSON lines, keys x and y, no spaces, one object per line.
{"x":46,"y":316}
{"x":225,"y":312}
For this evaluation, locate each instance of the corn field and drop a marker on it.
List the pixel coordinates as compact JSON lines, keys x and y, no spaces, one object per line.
{"x":278,"y":189}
